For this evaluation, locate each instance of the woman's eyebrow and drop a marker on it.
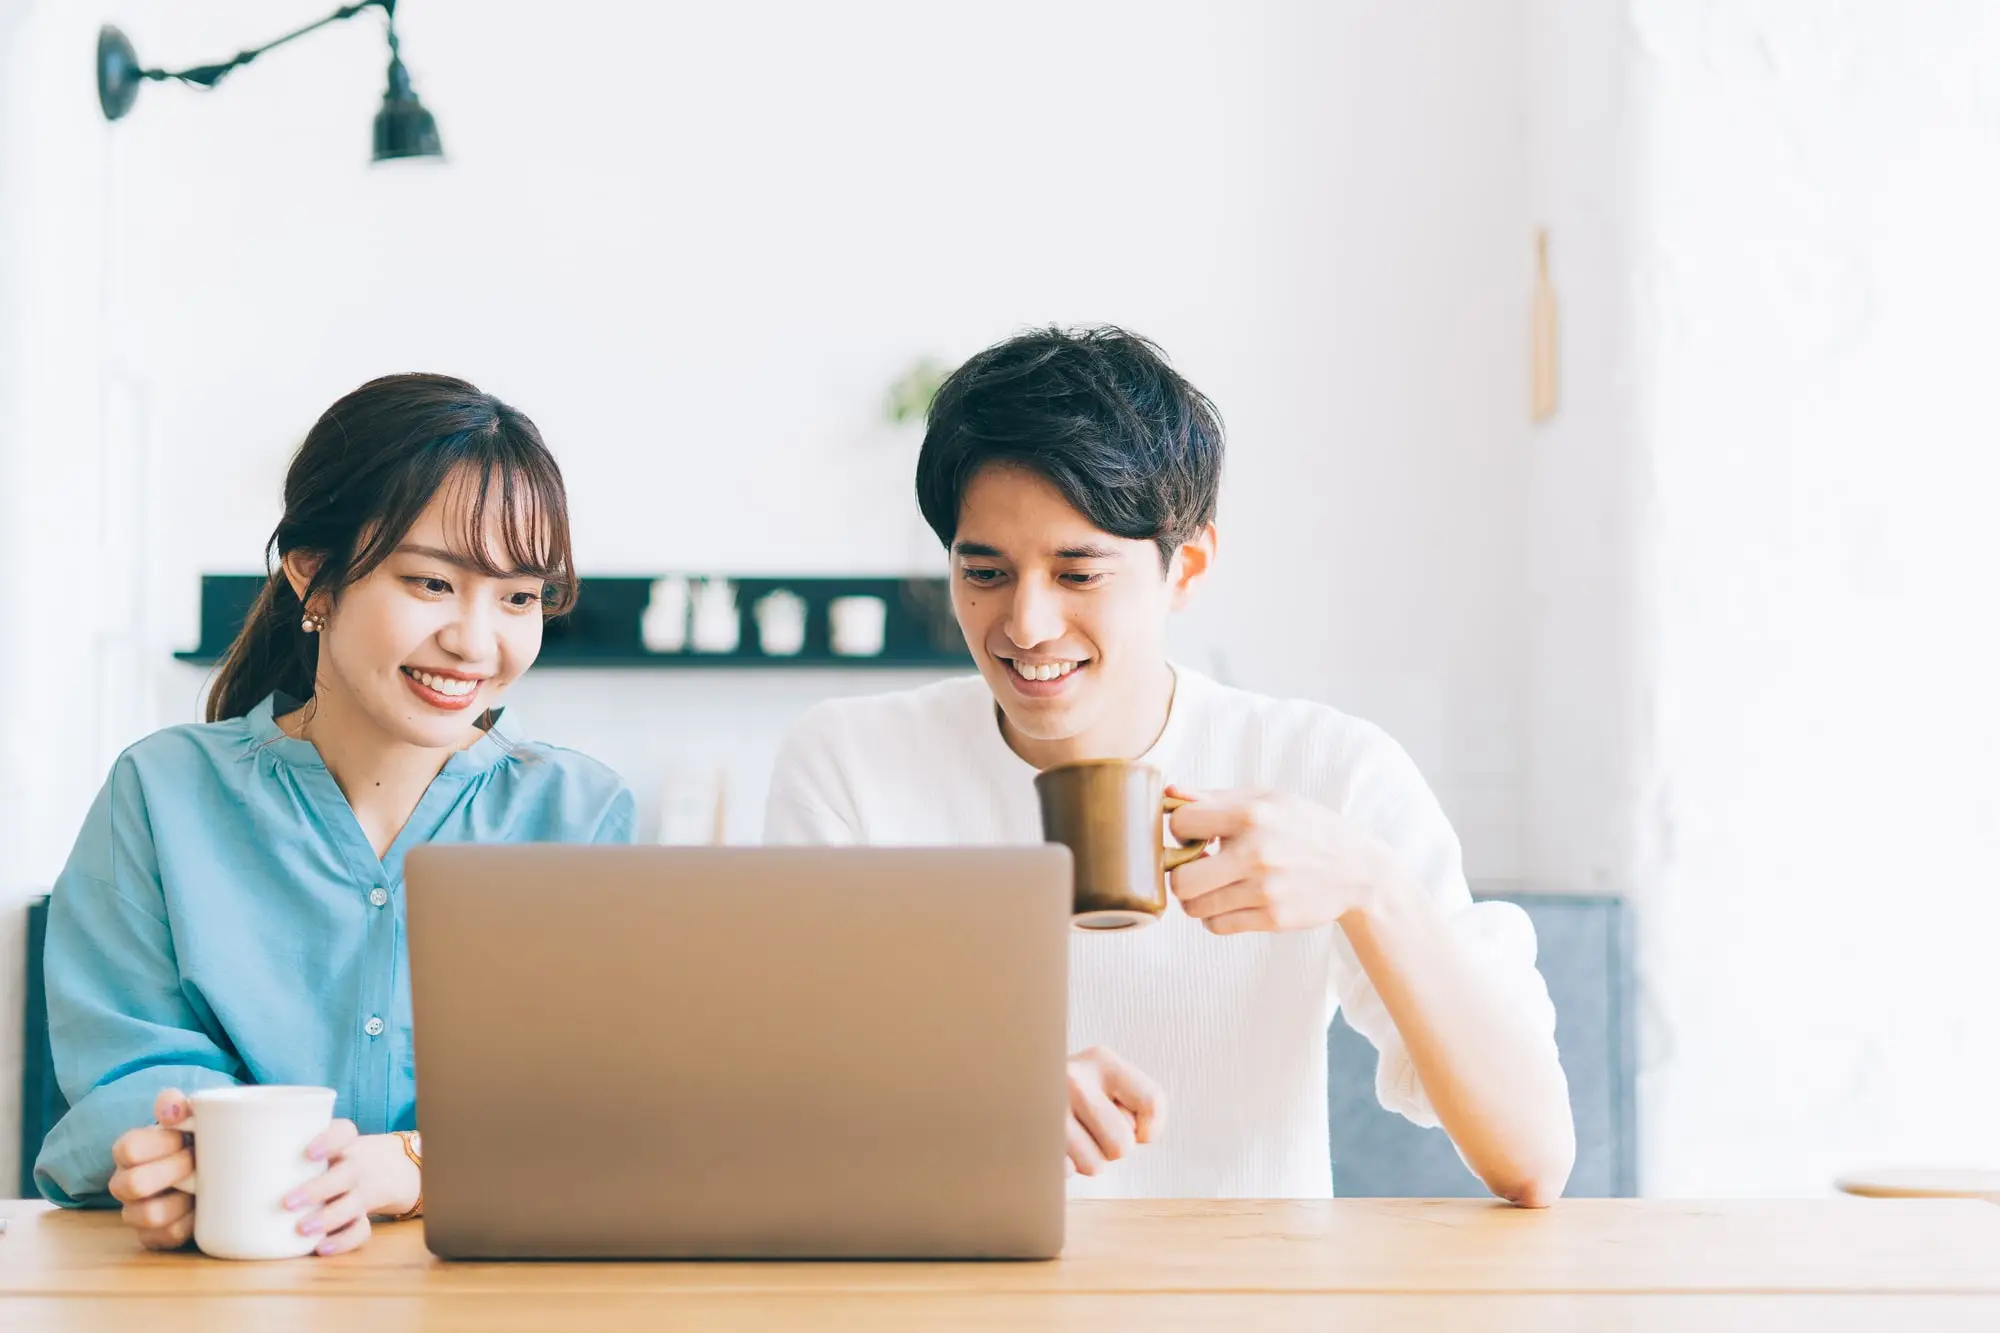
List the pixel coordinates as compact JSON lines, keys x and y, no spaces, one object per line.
{"x":455,"y":560}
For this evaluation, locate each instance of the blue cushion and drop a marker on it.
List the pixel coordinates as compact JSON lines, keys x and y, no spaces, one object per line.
{"x":42,"y":1101}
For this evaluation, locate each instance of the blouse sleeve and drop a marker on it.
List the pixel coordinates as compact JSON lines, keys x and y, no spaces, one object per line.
{"x":121,"y":1028}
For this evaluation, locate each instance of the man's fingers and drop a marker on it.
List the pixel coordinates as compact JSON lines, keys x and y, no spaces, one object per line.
{"x":150,"y":1178}
{"x":1109,"y":1127}
{"x":1139,"y":1095}
{"x":1222,"y":814}
{"x":140,"y":1146}
{"x":1244,"y":922}
{"x":1084,"y":1158}
{"x":162,"y":1210}
{"x":1205,"y":875}
{"x":1241,"y":896}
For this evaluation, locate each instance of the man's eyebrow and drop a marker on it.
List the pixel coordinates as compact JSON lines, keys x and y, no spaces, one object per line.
{"x":1084,"y":552}
{"x":454,"y":559}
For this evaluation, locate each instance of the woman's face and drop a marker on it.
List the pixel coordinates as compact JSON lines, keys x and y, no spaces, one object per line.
{"x":426,"y":642}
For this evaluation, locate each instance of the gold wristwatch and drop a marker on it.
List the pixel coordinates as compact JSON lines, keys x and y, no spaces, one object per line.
{"x":413,"y":1148}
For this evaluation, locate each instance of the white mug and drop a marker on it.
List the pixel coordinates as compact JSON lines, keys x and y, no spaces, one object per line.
{"x":250,"y":1152}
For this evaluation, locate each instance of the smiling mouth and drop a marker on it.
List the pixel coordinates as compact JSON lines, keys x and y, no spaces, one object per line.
{"x":450,"y":686}
{"x":1043,"y":671}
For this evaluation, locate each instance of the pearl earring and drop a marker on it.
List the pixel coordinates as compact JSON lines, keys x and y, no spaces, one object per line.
{"x":311,"y":623}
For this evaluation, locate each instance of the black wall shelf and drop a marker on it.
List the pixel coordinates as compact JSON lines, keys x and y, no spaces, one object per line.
{"x":604,"y":629}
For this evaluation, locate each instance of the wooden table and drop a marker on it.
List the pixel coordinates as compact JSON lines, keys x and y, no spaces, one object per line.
{"x":1645,"y":1265}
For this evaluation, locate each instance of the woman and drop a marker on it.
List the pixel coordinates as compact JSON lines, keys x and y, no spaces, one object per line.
{"x":233,"y":910}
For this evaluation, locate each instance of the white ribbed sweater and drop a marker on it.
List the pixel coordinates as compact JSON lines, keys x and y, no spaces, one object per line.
{"x":1232,"y":1028}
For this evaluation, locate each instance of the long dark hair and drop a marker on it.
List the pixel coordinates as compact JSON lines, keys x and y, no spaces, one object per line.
{"x":367,"y":470}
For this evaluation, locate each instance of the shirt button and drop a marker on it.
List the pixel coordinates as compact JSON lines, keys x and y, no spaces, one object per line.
{"x":378,"y":897}
{"x":373,"y":1027}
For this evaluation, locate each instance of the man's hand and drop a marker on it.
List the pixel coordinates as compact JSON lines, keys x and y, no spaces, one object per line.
{"x":1112,"y":1108}
{"x":1284,"y":863}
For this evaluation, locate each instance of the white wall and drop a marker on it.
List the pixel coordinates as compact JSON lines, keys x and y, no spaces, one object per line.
{"x":1586,"y":760}
{"x":53,"y":528}
{"x":1816,"y":282}
{"x":1759,"y":691}
{"x":696,"y":242}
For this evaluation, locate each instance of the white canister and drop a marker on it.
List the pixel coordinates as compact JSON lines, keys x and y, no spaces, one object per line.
{"x":859,"y":625}
{"x":717,"y":626}
{"x":781,"y":623}
{"x":663,"y":628}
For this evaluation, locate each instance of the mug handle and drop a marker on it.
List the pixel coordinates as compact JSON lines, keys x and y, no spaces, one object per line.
{"x":1175,"y":857}
{"x":187,"y":1184}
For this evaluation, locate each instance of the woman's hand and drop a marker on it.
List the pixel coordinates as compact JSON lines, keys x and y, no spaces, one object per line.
{"x":150,"y":1162}
{"x":366,"y":1176}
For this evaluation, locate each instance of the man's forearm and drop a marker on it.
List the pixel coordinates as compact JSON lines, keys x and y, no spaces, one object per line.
{"x":1490,"y":1073}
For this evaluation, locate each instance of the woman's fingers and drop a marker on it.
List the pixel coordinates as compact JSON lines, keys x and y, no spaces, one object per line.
{"x":162,"y":1210}
{"x":170,"y":1107}
{"x":170,"y":1237}
{"x":350,"y":1237}
{"x":139,"y":1146}
{"x":151,"y":1178}
{"x":339,"y":1179}
{"x":334,"y":1140}
{"x":337,"y":1215}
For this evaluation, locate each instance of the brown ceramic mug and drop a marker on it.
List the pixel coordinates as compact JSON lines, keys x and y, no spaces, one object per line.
{"x":1108,"y":812}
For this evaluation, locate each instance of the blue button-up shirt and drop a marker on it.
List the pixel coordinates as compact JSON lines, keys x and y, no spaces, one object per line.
{"x":224,"y":919}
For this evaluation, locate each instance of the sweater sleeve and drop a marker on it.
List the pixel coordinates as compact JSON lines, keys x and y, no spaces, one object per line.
{"x":1389,"y":796}
{"x":808,"y":803}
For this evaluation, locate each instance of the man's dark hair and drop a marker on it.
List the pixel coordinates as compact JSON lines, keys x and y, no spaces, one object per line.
{"x":1099,"y":413}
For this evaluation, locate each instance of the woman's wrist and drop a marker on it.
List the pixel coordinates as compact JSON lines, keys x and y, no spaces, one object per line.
{"x":403,"y":1176}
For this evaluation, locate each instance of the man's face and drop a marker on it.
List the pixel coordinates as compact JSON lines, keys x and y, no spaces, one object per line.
{"x":1067,"y":623}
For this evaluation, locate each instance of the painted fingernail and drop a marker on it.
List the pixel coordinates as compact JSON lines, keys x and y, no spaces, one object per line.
{"x":295,"y":1201}
{"x":316,"y":1153}
{"x":310,"y":1227}
{"x":326,"y":1247}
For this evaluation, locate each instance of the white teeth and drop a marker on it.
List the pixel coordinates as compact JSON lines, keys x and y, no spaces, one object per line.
{"x":1044,"y":671}
{"x":457,"y":689}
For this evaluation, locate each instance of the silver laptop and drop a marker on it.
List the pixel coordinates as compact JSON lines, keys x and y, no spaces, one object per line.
{"x":661,"y":1052}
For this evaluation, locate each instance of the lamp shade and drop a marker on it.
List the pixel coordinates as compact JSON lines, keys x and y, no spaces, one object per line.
{"x":119,"y":73}
{"x":404,"y":129}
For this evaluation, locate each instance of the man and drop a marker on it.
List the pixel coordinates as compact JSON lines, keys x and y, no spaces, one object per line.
{"x":1072,"y":476}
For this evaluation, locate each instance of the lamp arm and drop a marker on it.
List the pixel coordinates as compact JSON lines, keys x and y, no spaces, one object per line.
{"x":206,"y":76}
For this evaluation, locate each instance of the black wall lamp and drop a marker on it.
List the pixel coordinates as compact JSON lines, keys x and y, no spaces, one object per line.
{"x":402,"y":127}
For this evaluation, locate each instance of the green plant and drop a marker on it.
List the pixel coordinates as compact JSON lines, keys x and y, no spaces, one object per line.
{"x":910,"y":396}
